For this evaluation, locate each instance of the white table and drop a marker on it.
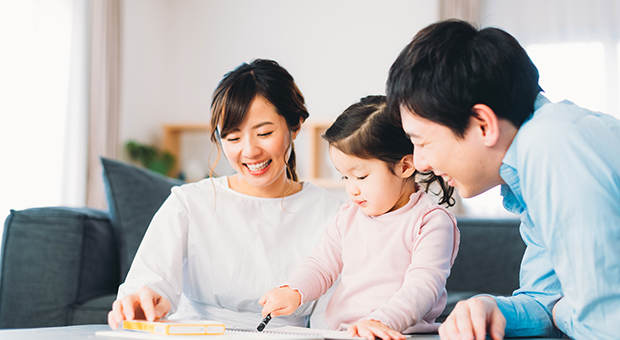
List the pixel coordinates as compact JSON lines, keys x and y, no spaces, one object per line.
{"x":88,"y":332}
{"x":54,"y":333}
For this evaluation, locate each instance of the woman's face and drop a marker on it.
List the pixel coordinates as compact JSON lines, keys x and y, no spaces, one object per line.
{"x":258,"y":150}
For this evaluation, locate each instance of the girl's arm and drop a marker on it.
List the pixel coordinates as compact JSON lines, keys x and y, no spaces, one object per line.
{"x":434,"y":249}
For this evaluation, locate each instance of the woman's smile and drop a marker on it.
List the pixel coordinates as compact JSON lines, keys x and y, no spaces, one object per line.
{"x":258,"y":168}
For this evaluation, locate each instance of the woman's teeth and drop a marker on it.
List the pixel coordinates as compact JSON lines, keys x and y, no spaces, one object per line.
{"x":258,"y":166}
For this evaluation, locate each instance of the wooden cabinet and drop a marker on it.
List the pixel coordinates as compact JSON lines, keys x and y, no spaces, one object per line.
{"x":172,"y":140}
{"x":320,"y":170}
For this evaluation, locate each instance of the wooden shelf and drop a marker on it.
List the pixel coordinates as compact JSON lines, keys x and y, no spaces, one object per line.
{"x":318,"y":170}
{"x":172,"y":140}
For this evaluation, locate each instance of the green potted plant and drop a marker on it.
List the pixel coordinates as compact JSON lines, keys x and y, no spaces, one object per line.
{"x":150,"y":157}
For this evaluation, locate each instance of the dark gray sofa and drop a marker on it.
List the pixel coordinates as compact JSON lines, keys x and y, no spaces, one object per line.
{"x":59,"y":266}
{"x":62,"y":266}
{"x":488,"y":261}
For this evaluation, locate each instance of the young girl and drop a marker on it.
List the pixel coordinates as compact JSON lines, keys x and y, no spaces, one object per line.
{"x":393,"y":245}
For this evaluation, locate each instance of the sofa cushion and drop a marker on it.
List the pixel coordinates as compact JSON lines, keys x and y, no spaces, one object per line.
{"x":489,"y":256}
{"x":489,"y":260}
{"x":93,"y":311}
{"x":53,"y":259}
{"x":134,"y":195}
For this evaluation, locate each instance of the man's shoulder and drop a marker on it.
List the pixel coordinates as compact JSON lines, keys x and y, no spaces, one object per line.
{"x":563,"y":112}
{"x":551,"y":126}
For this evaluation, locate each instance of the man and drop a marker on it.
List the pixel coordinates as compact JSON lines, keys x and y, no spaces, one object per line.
{"x":470,"y":102}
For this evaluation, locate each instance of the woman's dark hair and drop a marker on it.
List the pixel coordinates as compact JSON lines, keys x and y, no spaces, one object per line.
{"x":364,"y":130}
{"x":450,"y":66}
{"x":235,"y":92}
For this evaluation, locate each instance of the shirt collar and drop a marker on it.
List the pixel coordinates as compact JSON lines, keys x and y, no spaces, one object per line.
{"x":511,"y":191}
{"x":510,"y":158}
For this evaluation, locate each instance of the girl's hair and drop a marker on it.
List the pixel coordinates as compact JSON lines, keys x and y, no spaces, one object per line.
{"x":364,"y":130}
{"x":235,"y":92}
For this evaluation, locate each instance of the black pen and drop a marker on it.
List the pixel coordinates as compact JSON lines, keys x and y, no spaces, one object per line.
{"x":264,"y":323}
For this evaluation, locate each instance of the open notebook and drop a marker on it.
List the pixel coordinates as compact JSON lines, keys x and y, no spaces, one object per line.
{"x":304,"y":332}
{"x":312,"y":333}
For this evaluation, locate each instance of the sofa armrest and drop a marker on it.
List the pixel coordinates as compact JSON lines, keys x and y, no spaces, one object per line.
{"x":52,"y":260}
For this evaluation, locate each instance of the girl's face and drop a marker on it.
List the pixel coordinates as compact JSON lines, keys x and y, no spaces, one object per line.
{"x":258,"y":150}
{"x":371,"y":185}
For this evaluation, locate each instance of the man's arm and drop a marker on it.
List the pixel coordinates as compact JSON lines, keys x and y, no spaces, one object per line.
{"x":526,"y":314}
{"x":528,"y":311}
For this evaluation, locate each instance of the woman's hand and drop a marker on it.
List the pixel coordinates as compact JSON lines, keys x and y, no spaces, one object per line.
{"x":370,"y":329}
{"x":145,"y":304}
{"x":280,"y":301}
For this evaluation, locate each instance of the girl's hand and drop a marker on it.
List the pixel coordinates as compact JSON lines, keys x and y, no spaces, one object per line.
{"x":145,"y":304}
{"x":370,"y":329}
{"x":280,"y":301}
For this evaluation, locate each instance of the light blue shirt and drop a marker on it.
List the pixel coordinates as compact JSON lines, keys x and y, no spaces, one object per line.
{"x":562,"y":175}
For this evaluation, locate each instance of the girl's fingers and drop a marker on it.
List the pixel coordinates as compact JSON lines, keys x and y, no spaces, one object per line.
{"x":371,"y":329}
{"x":364,"y":332}
{"x":353,"y":330}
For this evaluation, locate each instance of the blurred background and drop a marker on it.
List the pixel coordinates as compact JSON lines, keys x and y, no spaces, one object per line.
{"x":81,"y":79}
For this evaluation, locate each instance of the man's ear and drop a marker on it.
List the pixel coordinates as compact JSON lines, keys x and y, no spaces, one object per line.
{"x":486,"y":124}
{"x":405,"y":167}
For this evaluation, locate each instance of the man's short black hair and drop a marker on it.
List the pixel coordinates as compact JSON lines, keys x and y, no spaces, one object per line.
{"x":450,"y":66}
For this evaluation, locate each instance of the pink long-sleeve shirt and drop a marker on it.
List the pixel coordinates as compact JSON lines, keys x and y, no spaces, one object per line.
{"x":394,"y":266}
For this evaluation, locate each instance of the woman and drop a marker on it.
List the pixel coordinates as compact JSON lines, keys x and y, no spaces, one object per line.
{"x":215,"y":246}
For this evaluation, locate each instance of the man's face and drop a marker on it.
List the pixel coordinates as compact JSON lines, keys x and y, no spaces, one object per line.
{"x":461,"y":162}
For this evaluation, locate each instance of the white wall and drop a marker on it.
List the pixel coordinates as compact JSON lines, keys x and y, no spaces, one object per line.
{"x":175,"y":52}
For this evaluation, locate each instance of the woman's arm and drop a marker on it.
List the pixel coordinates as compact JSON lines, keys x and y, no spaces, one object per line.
{"x":155,"y":280}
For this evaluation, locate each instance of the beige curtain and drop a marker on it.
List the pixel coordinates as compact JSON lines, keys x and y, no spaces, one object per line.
{"x":468,"y":10}
{"x":104,"y":94}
